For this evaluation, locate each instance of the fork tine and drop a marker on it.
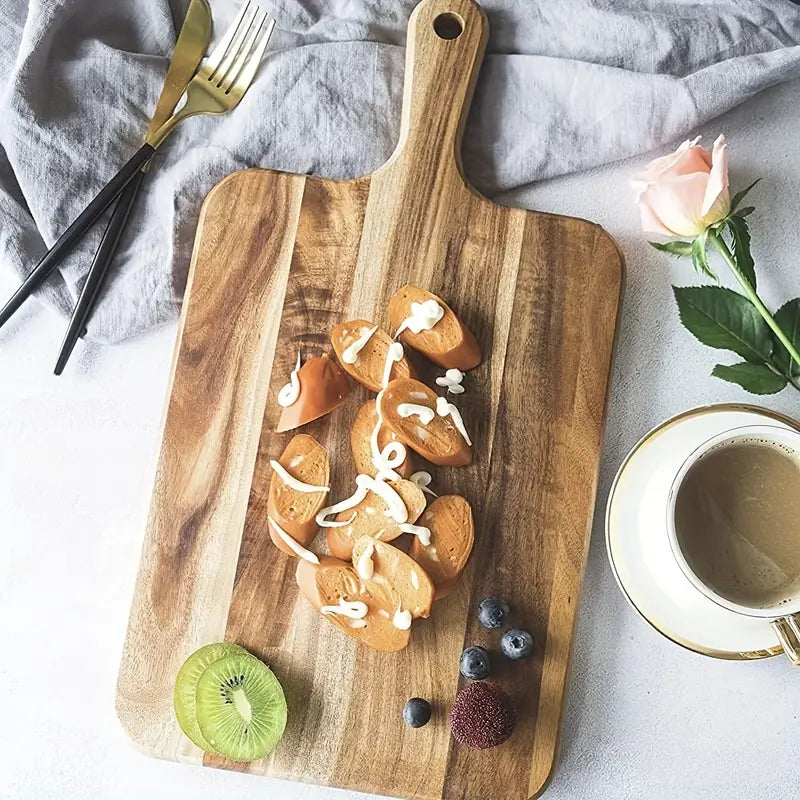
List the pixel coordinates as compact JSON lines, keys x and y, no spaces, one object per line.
{"x":245,"y":46}
{"x":250,"y":66}
{"x":243,"y":55}
{"x":217,"y":56}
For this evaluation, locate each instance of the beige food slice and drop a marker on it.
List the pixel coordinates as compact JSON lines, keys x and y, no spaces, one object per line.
{"x":371,"y":519}
{"x":323,"y":387}
{"x":449,"y":343}
{"x":449,"y":519}
{"x":390,"y":589}
{"x":397,"y":580}
{"x":333,"y":580}
{"x":371,"y":360}
{"x":439,"y":440}
{"x":306,"y":460}
{"x":360,"y":442}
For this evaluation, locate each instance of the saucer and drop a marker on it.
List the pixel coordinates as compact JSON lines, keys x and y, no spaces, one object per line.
{"x":638,"y":545}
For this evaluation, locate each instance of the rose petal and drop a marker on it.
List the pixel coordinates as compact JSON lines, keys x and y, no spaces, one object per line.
{"x":716,"y":200}
{"x":658,"y":166}
{"x":650,"y":222}
{"x":678,"y":203}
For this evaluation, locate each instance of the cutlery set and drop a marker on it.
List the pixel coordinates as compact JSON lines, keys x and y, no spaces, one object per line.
{"x":193,"y":85}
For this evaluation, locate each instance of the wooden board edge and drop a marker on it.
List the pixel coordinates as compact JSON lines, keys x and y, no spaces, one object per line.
{"x":541,"y":780}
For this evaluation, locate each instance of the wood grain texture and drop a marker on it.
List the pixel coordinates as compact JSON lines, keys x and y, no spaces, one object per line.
{"x":279,"y":261}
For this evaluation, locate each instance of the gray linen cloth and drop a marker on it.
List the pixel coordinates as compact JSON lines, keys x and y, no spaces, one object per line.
{"x":566,"y":85}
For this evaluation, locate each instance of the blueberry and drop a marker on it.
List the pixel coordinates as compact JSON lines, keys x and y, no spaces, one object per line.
{"x":417,"y":712}
{"x":492,"y":612}
{"x":516,"y":643}
{"x":475,"y":663}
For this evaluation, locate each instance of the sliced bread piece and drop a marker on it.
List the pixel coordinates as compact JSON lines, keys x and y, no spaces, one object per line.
{"x":323,"y":387}
{"x":409,"y":408}
{"x":372,"y":520}
{"x":367,"y":366}
{"x":303,"y":463}
{"x":449,"y":519}
{"x":448,"y":343}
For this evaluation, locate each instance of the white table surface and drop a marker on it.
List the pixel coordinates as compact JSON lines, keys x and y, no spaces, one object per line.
{"x":644,"y":718}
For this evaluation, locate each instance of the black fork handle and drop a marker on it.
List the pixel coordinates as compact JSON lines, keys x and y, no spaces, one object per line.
{"x":73,"y":234}
{"x":97,"y":272}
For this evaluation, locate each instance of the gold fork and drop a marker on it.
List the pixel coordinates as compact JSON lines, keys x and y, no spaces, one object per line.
{"x":223,"y":78}
{"x":219,"y":85}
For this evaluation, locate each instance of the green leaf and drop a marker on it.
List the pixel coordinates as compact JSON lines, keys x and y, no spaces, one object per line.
{"x":755,"y":378}
{"x":739,"y":196}
{"x":746,"y":211}
{"x":725,"y":320}
{"x":741,"y":248}
{"x":699,"y":258}
{"x":674,"y":248}
{"x":788,"y":319}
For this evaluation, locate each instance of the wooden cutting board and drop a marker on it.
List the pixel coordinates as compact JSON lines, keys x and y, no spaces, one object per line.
{"x":279,"y":260}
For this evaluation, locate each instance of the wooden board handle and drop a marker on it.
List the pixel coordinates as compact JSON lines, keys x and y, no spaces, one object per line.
{"x":445,"y":46}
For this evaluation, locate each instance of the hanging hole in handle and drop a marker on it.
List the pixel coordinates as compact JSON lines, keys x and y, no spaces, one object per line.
{"x":448,"y":26}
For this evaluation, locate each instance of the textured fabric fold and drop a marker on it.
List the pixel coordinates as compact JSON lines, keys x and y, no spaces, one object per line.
{"x":566,"y":85}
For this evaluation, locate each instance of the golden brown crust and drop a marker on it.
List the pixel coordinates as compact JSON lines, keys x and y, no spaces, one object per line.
{"x":414,"y":594}
{"x":306,"y":459}
{"x":391,"y":587}
{"x":360,"y":445}
{"x":323,"y":387}
{"x":439,"y":441}
{"x":374,"y":523}
{"x":370,"y":362}
{"x":450,"y":344}
{"x":449,"y":519}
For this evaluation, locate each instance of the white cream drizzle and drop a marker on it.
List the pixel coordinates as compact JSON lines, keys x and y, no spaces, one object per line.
{"x":350,"y":354}
{"x":393,"y":354}
{"x":392,"y":455}
{"x":420,"y":531}
{"x":425,"y":413}
{"x":362,"y":487}
{"x":365,"y":483}
{"x":352,"y":609}
{"x":396,"y":507}
{"x":414,"y":579}
{"x":365,"y":568}
{"x":451,"y":380}
{"x":293,"y":482}
{"x":423,"y":317}
{"x":443,"y":408}
{"x":423,"y":479}
{"x":289,"y":393}
{"x":401,"y":619}
{"x":293,"y":544}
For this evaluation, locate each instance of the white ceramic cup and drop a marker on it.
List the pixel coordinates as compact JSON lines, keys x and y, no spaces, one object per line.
{"x":785,"y":616}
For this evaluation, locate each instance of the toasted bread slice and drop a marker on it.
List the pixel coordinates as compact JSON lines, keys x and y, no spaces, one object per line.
{"x":370,"y":362}
{"x":449,"y":343}
{"x":306,"y":460}
{"x":323,"y":387}
{"x":371,"y":519}
{"x":360,"y":442}
{"x":449,"y":519}
{"x":390,"y":588}
{"x":439,"y":440}
{"x":397,"y":580}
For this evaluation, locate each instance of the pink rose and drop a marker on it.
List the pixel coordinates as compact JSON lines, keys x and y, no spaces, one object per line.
{"x":683,"y":193}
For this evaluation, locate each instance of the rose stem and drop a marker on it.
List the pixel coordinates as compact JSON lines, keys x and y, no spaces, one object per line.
{"x":751,"y":295}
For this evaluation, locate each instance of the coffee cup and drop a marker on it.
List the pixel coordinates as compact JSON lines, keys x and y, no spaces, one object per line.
{"x":733,"y":522}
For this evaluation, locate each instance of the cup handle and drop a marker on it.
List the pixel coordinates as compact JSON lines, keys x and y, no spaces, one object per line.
{"x":788,"y":630}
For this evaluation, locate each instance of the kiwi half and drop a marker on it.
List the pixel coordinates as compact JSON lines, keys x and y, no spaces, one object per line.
{"x":241,"y":709}
{"x":186,"y":688}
